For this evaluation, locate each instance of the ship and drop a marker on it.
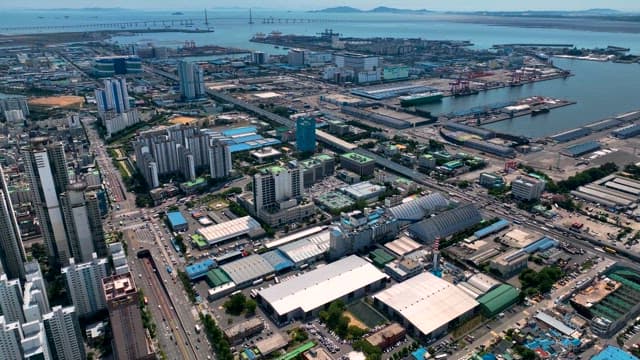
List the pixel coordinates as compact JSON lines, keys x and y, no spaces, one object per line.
{"x":421,"y":99}
{"x":538,"y":111}
{"x":177,"y":13}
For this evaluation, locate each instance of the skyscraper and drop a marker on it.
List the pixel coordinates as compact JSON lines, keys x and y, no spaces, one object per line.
{"x":114,"y":96}
{"x":11,"y":299}
{"x":12,"y":255}
{"x":84,"y":284}
{"x":47,"y":173}
{"x":129,"y":338}
{"x":306,"y":134}
{"x":191,"y":80}
{"x":10,"y":338}
{"x":220,"y":164}
{"x":63,"y":333}
{"x":82,"y":222}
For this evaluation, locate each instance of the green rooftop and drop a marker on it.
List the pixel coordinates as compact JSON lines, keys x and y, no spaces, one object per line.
{"x":196,"y":182}
{"x":274,"y":170}
{"x":199,"y":240}
{"x":381,"y":257}
{"x":297,"y":351}
{"x":323,"y":157}
{"x":217,"y":277}
{"x":361,"y":159}
{"x":498,"y":299}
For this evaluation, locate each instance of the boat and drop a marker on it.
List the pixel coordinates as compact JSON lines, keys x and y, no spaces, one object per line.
{"x":538,"y":111}
{"x":177,"y":13}
{"x":277,"y":47}
{"x":421,"y":98}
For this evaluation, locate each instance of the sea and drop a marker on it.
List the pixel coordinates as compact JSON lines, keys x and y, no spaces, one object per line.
{"x":600,"y":90}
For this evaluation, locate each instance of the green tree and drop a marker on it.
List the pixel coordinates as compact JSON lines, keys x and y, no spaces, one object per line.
{"x":235,"y":305}
{"x":250,"y":306}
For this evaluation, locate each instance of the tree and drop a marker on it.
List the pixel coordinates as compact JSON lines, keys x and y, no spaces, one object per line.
{"x":235,"y":305}
{"x":250,"y":306}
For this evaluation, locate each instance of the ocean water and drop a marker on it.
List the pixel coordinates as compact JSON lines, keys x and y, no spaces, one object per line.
{"x":600,"y":89}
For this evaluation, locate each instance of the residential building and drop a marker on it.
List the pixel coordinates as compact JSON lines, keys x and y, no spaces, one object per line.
{"x":359,"y":164}
{"x":79,"y":225}
{"x":129,"y":338}
{"x":191,"y":80}
{"x":220,"y":164}
{"x":34,"y":342}
{"x":10,"y":339}
{"x":12,"y":255}
{"x":114,"y":97}
{"x":296,"y":57}
{"x":84,"y":285}
{"x":527,"y":188}
{"x":306,"y":134}
{"x":46,"y":169}
{"x":10,"y":103}
{"x":63,"y":333}
{"x":11,"y":299}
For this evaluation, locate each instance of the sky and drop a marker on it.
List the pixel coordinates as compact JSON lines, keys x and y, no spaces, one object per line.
{"x":441,"y":5}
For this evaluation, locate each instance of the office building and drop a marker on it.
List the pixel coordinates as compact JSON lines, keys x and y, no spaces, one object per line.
{"x":84,"y":285}
{"x":317,"y":168}
{"x":191,"y":80}
{"x":129,"y":338}
{"x":47,"y":174}
{"x":357,"y":62}
{"x":63,"y":333}
{"x":11,"y":299}
{"x":259,"y":58}
{"x":117,"y":65}
{"x":296,"y":57}
{"x":359,"y":164}
{"x":12,"y":255}
{"x":10,"y":103}
{"x":491,"y":180}
{"x":527,"y":188}
{"x":306,"y":134}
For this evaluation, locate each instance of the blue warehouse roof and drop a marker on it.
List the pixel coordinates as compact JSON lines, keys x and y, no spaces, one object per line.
{"x":199,"y":269}
{"x":176,"y":219}
{"x":501,"y":224}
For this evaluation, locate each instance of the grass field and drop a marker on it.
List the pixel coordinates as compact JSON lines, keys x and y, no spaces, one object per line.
{"x":124,"y":168}
{"x":354,"y":321}
{"x":365,"y":314}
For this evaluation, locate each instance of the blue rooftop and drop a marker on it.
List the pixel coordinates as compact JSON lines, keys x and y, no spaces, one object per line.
{"x":199,"y":269}
{"x":239,"y":131}
{"x":176,"y":219}
{"x":613,"y":353}
{"x":277,"y":260}
{"x":419,"y":353}
{"x":501,"y":224}
{"x":542,"y":244}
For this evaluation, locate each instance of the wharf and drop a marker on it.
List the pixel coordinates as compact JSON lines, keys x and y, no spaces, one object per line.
{"x":500,"y":112}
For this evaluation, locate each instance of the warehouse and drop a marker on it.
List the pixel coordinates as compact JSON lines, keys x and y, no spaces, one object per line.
{"x":177,"y":221}
{"x":307,"y":250}
{"x":571,"y":135}
{"x":417,"y":209}
{"x":199,"y":269}
{"x":626,"y":132}
{"x":483,"y":133}
{"x":498,"y":300}
{"x":305,"y":295}
{"x":426,"y":304}
{"x":446,"y":223}
{"x":581,"y":149}
{"x":248,"y":269}
{"x":402,"y":246}
{"x":478,"y":285}
{"x":226,"y":231}
{"x":364,"y":191}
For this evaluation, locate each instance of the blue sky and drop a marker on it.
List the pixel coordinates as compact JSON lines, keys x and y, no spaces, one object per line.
{"x":632,"y":5}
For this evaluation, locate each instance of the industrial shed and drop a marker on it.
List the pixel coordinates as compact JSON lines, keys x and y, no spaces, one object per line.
{"x":248,"y":269}
{"x":446,"y":223}
{"x":498,"y":299}
{"x":417,"y":209}
{"x":305,"y":295}
{"x":277,"y":260}
{"x":307,"y":250}
{"x":426,"y":304}
{"x":226,"y":231}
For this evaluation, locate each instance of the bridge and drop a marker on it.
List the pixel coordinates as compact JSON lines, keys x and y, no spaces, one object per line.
{"x":121,"y":25}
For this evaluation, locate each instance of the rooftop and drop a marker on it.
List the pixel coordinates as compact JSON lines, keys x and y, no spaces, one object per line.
{"x":613,"y":353}
{"x":321,"y":286}
{"x":118,"y":286}
{"x":230,"y":229}
{"x":248,"y":269}
{"x":361,"y":159}
{"x":176,"y":218}
{"x":427,"y":301}
{"x":596,"y":293}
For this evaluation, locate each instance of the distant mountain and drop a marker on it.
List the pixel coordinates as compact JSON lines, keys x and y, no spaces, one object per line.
{"x":550,"y":13}
{"x":339,"y":9}
{"x":378,"y":10}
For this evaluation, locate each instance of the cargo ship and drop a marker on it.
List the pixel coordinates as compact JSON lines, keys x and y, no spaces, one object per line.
{"x":421,"y":99}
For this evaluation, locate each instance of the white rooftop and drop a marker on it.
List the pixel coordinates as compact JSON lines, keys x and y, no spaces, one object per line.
{"x":402,"y":246}
{"x":322,"y":286}
{"x":307,"y":248}
{"x":228,"y":230}
{"x":427,"y":301}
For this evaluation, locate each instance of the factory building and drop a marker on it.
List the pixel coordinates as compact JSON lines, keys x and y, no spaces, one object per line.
{"x":446,"y":224}
{"x":306,"y":295}
{"x":627,"y":132}
{"x":426,"y":305}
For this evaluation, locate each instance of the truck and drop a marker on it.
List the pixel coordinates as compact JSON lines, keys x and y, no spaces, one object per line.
{"x":198,"y":328}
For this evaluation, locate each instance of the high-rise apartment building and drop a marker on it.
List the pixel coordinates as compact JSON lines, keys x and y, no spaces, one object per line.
{"x":34,"y":342}
{"x":191,"y":80}
{"x":11,"y":103}
{"x":63,"y":333}
{"x":47,"y":173}
{"x":220,"y":165}
{"x":276,"y":184}
{"x":129,"y":338}
{"x":84,"y":284}
{"x":306,"y":134}
{"x":114,"y":96}
{"x":12,"y":255}
{"x":11,"y":299}
{"x":10,"y":338}
{"x":82,"y":221}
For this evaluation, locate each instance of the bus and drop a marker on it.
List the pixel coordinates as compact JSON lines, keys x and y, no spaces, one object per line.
{"x":610,"y":250}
